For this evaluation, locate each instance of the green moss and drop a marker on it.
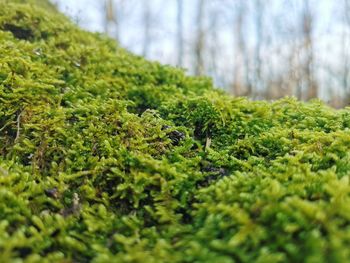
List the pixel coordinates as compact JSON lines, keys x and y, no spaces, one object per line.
{"x":106,"y":157}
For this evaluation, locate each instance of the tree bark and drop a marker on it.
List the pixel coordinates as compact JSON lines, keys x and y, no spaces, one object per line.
{"x":259,"y":8}
{"x":111,"y":21}
{"x":180,"y":37}
{"x":241,"y":83}
{"x":307,"y":23}
{"x":146,"y":27}
{"x":200,"y":39}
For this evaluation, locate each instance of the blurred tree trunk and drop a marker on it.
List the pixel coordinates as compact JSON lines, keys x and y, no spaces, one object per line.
{"x":294,"y":81}
{"x":146,"y":27}
{"x":214,"y":40}
{"x":111,"y":21}
{"x":200,"y":39}
{"x":345,"y":53}
{"x":241,"y":82}
{"x":259,"y":9}
{"x":180,"y":37}
{"x":296,"y":74}
{"x":307,"y":30}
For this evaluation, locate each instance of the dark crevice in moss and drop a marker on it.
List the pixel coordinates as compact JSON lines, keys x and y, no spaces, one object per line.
{"x":19,"y":32}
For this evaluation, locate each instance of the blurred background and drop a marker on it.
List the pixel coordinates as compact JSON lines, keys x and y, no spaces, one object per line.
{"x":263,"y":49}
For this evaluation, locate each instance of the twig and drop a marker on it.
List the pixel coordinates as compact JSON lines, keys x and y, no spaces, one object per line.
{"x":207,"y":143}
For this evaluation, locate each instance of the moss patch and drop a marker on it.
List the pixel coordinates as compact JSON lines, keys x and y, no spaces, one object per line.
{"x":106,"y":157}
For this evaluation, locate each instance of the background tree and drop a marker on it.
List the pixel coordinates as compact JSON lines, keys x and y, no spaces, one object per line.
{"x":308,"y":67}
{"x":256,"y":48}
{"x":180,"y":36}
{"x":111,"y":19}
{"x":200,"y":39}
{"x":241,"y":79}
{"x":146,"y":27}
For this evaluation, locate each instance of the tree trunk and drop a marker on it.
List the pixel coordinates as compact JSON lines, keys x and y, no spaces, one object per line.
{"x":259,"y":8}
{"x":214,"y":41}
{"x":241,"y":84}
{"x":146,"y":27}
{"x":111,"y":21}
{"x":311,"y":85}
{"x":200,"y":39}
{"x":180,"y":37}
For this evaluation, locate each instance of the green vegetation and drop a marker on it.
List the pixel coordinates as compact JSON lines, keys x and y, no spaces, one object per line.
{"x":106,"y":157}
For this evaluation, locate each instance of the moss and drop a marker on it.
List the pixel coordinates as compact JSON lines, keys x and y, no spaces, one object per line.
{"x":107,"y":157}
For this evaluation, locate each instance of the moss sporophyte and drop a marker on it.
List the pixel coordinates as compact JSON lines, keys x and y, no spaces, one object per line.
{"x":107,"y":157}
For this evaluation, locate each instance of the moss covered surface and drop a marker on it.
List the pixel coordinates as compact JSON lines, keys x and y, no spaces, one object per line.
{"x":106,"y":157}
